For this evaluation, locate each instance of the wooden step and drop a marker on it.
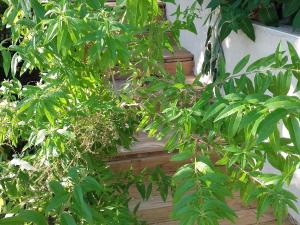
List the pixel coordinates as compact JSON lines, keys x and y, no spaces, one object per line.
{"x":149,"y":162}
{"x":170,"y":60}
{"x":147,"y":152}
{"x":240,"y":221}
{"x":180,"y":55}
{"x":143,"y":147}
{"x":156,"y":211}
{"x":144,"y":153}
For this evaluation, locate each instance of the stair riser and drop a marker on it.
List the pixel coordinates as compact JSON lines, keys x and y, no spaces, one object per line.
{"x":187,"y":66}
{"x":139,"y":164}
{"x":246,"y":215}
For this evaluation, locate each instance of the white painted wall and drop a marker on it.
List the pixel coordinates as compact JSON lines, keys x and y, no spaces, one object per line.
{"x":237,"y":46}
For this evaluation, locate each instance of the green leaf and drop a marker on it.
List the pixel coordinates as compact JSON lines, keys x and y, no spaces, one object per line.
{"x":284,"y":102}
{"x":225,"y":31}
{"x":183,"y":188}
{"x":40,"y":137}
{"x":141,"y":189}
{"x":229,"y":110}
{"x":269,"y":124}
{"x":234,"y":124}
{"x":182,"y":156}
{"x":67,"y":219}
{"x":90,"y":184}
{"x":57,"y":188}
{"x":25,"y":105}
{"x":262,"y":62}
{"x":14,"y":64}
{"x":6,"y":61}
{"x":183,"y":173}
{"x":14,"y":220}
{"x":268,"y":15}
{"x":293,"y":53}
{"x":203,"y":167}
{"x":34,"y":217}
{"x":262,"y":206}
{"x":179,"y":86}
{"x":56,"y":202}
{"x":281,"y":83}
{"x":290,"y":7}
{"x":85,"y":211}
{"x":51,"y":31}
{"x":213,"y":110}
{"x":296,"y":20}
{"x":38,"y":9}
{"x":241,"y":64}
{"x":296,"y":131}
{"x":170,"y":1}
{"x":213,"y":4}
{"x":148,"y":191}
{"x":249,"y":118}
{"x":95,"y":4}
{"x":247,"y":27}
{"x":48,"y":113}
{"x":172,"y":142}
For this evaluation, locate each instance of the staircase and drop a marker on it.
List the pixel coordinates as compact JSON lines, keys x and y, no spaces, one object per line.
{"x":149,"y":153}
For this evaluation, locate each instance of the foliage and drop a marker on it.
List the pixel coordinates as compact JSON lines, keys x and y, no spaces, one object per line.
{"x":228,"y":16}
{"x":56,"y":135}
{"x":236,"y":15}
{"x":232,"y":124}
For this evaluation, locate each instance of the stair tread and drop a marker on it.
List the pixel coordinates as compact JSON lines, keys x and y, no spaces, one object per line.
{"x":155,"y":201}
{"x":179,"y":54}
{"x":155,"y":205}
{"x":142,"y":146}
{"x":152,"y":203}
